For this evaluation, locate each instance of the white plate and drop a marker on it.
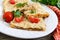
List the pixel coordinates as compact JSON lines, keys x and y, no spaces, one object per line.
{"x":51,"y":23}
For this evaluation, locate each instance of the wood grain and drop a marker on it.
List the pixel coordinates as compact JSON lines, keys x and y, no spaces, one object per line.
{"x":5,"y":37}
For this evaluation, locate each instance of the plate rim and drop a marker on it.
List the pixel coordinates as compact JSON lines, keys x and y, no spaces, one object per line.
{"x":33,"y":37}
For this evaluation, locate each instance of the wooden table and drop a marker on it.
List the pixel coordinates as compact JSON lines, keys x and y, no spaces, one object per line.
{"x":5,"y":37}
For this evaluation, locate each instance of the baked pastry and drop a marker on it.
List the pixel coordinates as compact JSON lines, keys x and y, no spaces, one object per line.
{"x":29,"y":16}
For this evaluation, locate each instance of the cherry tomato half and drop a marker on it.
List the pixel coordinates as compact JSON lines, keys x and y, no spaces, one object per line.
{"x":19,"y":19}
{"x":33,"y":19}
{"x":8,"y":16}
{"x":12,"y":1}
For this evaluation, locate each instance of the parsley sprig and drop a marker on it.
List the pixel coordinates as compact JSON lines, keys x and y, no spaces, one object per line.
{"x":21,"y":4}
{"x":32,"y":11}
{"x":17,"y":13}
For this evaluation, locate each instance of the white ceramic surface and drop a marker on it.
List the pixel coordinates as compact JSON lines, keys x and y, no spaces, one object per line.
{"x":51,"y":23}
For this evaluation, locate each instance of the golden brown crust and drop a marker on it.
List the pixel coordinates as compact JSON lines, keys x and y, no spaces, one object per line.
{"x":29,"y":26}
{"x":30,"y":29}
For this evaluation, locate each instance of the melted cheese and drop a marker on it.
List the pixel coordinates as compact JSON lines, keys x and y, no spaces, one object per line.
{"x":26,"y":24}
{"x":10,"y":7}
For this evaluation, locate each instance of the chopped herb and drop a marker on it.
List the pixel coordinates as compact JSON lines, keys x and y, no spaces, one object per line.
{"x":17,"y":13}
{"x":21,"y":4}
{"x":36,"y":0}
{"x":33,"y":11}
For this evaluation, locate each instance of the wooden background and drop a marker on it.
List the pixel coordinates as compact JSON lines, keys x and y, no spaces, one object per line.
{"x":6,"y":37}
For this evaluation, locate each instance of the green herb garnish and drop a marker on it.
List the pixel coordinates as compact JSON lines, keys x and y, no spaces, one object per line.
{"x":32,"y":11}
{"x":36,"y":0}
{"x":21,"y":4}
{"x":51,"y":2}
{"x":17,"y":13}
{"x":58,"y":4}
